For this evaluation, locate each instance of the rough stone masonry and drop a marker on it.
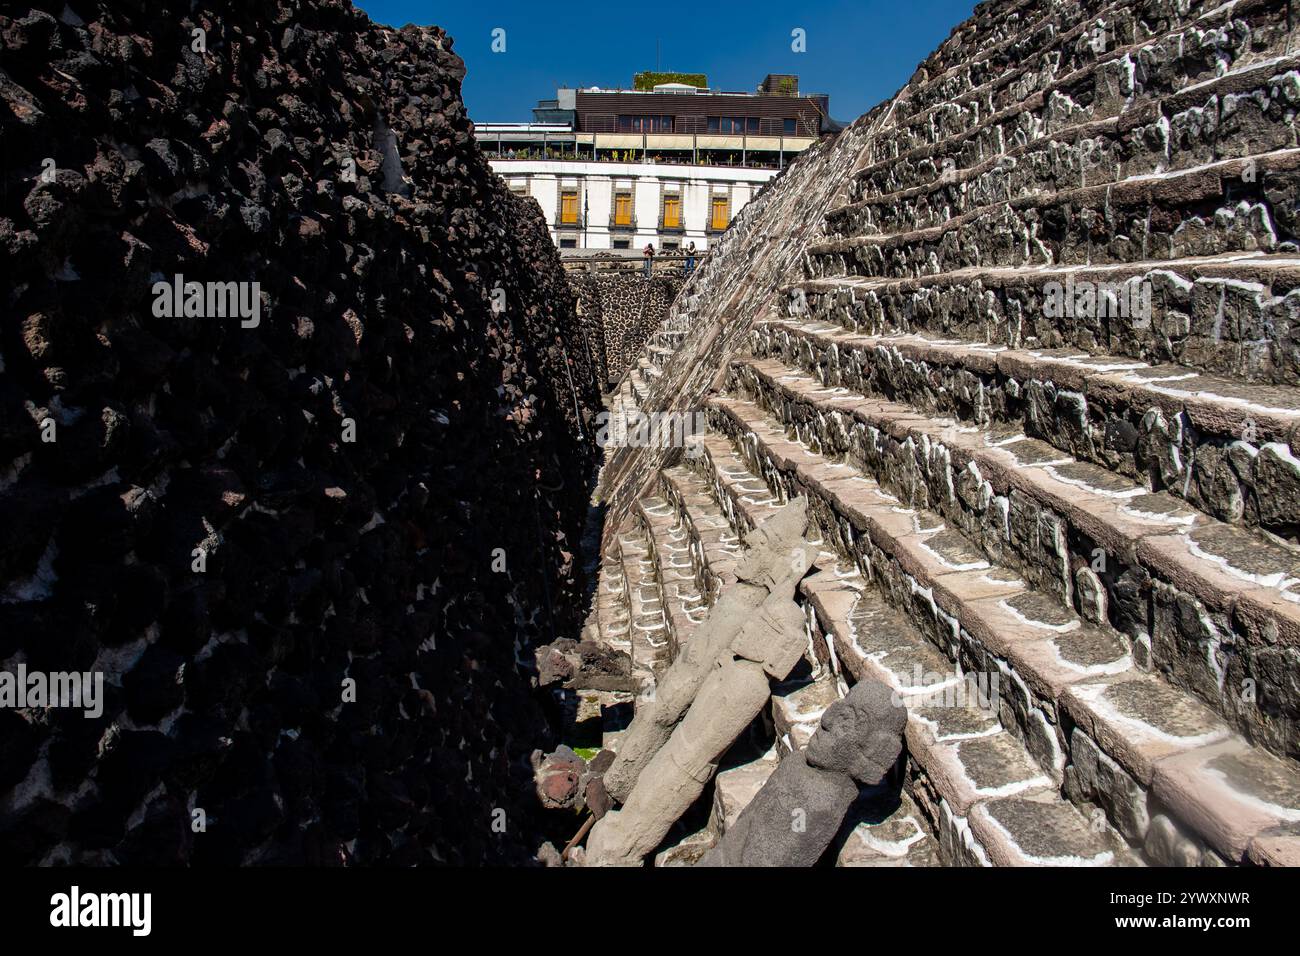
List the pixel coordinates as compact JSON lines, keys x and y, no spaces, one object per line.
{"x":1025,"y":338}
{"x":281,"y":542}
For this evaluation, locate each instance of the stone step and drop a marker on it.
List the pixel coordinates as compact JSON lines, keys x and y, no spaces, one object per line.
{"x":993,"y":50}
{"x":991,"y":622}
{"x":684,"y":605}
{"x":890,"y":836}
{"x":1227,"y":206}
{"x":990,"y":35}
{"x":797,"y":708}
{"x":1074,"y":531}
{"x":613,"y":613}
{"x":714,"y":545}
{"x":743,"y":498}
{"x":734,"y":788}
{"x":1009,"y":55}
{"x":1206,"y":313}
{"x":651,"y":645}
{"x":917,"y":159}
{"x":954,"y":735}
{"x":1109,"y":410}
{"x":633,"y":391}
{"x":1082,"y":83}
{"x":1153,"y":137}
{"x":669,"y":338}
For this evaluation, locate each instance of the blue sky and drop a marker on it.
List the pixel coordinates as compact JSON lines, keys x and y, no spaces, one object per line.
{"x":858,"y":52}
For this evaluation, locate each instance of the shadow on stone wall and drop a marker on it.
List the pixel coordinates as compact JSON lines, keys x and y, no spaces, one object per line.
{"x":309,"y":551}
{"x":626,"y":307}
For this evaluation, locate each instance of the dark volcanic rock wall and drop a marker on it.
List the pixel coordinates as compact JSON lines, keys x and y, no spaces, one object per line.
{"x":626,"y":308}
{"x":299,"y":146}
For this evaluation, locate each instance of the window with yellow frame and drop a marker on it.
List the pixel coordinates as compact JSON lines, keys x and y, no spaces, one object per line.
{"x":719,"y":217}
{"x":569,"y":207}
{"x":622,"y":209}
{"x":672,"y":211}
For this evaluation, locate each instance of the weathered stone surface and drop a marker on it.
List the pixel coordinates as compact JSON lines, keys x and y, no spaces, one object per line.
{"x":767,"y":573}
{"x":332,"y":163}
{"x":585,"y":665}
{"x":619,"y":310}
{"x":724,"y":688}
{"x":801,"y":807}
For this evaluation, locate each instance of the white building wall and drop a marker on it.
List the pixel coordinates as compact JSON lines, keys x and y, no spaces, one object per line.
{"x":597,"y":182}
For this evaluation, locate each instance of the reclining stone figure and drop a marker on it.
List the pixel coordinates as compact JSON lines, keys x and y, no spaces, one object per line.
{"x":721,"y":688}
{"x":800,"y":808}
{"x":776,"y":559}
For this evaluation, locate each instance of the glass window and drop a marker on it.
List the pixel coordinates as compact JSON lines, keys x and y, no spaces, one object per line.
{"x":734,"y":125}
{"x":718,"y":221}
{"x":569,"y":207}
{"x":672,"y":211}
{"x":622,"y":209}
{"x":645,"y":124}
{"x":788,"y":127}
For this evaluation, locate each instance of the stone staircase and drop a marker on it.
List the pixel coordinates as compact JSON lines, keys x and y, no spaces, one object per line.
{"x":1037,"y":379}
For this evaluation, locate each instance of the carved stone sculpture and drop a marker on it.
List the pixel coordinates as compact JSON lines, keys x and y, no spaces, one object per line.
{"x":797,"y":813}
{"x":776,"y":560}
{"x":732,"y":680}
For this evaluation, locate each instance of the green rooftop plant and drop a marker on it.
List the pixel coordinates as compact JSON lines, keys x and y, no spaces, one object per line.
{"x":649,"y":80}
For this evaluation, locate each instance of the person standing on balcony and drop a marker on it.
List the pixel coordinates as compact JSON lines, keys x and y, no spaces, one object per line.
{"x":690,"y":257}
{"x":649,"y":254}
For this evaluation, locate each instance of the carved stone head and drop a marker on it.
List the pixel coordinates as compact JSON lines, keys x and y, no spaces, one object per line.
{"x":861,"y":735}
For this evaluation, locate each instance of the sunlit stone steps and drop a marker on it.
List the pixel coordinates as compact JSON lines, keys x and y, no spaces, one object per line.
{"x":1155,"y":218}
{"x":969,"y":756}
{"x":961,"y":755}
{"x":1085,"y":79}
{"x":714,"y":545}
{"x":1072,"y":529}
{"x":1208,"y":313}
{"x":991,"y":622}
{"x":1096,"y":407}
{"x":890,"y":835}
{"x":1160,"y":132}
{"x":651,"y":645}
{"x":684,"y":604}
{"x":1151,"y":140}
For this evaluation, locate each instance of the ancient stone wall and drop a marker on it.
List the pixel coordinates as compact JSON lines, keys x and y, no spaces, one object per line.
{"x":735,"y":283}
{"x":280,"y":537}
{"x":1024,"y":339}
{"x":626,"y":309}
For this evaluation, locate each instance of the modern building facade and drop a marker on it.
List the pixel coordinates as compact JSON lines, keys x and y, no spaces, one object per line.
{"x":591,"y":205}
{"x":670,"y":165}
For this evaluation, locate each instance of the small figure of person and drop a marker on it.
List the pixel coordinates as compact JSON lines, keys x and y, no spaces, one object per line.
{"x":649,"y":254}
{"x":690,"y":257}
